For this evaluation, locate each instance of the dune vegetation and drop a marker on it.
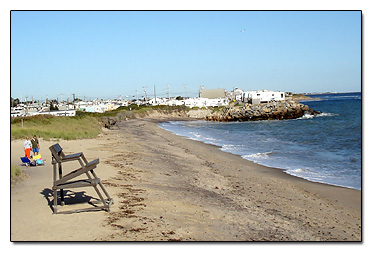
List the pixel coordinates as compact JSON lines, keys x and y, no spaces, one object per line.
{"x":83,"y":125}
{"x":48,"y":127}
{"x":15,"y":172}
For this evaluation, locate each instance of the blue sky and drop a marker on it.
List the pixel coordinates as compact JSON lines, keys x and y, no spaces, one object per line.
{"x":107,"y":54}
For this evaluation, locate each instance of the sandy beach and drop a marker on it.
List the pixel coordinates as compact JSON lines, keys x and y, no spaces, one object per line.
{"x":169,"y":188}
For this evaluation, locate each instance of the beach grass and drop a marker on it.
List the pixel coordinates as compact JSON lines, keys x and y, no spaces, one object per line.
{"x":48,"y":127}
{"x":15,"y":172}
{"x":83,"y":125}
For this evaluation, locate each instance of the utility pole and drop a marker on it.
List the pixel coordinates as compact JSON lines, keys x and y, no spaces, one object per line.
{"x":168,"y":92}
{"x":186,"y":94}
{"x":26,"y":105}
{"x":145,"y":92}
{"x":137,"y":97}
{"x":155,"y":95}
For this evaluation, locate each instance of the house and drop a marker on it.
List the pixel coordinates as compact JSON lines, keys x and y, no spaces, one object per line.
{"x":58,"y":113}
{"x":191,"y":102}
{"x":263,"y":96}
{"x":211,"y":93}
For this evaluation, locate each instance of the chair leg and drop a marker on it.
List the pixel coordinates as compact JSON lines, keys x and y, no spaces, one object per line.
{"x":102,"y":187}
{"x":55,"y":201}
{"x":98,"y":191}
{"x":100,"y":195}
{"x":105,"y":192}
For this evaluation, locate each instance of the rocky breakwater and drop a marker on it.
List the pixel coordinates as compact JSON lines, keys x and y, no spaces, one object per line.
{"x":280,"y":110}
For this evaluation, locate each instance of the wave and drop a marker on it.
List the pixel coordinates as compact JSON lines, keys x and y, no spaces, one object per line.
{"x":297,"y":171}
{"x":326,"y":114}
{"x":307,"y":175}
{"x":228,"y":148}
{"x":201,"y":137}
{"x":195,"y":135}
{"x":324,"y":178}
{"x":310,"y":116}
{"x":350,"y":96}
{"x":258,"y":155}
{"x":306,"y":117}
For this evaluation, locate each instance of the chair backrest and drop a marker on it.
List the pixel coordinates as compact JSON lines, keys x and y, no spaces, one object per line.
{"x":25,"y":160}
{"x":57,"y":152}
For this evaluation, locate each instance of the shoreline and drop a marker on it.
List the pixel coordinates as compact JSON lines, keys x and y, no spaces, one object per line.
{"x":278,"y":172}
{"x":170,"y":188}
{"x":220,"y":147}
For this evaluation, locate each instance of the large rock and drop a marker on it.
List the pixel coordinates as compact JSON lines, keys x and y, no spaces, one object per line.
{"x":270,"y":111}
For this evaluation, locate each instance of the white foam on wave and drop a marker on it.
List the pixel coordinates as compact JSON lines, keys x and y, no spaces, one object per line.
{"x":201,"y":137}
{"x":326,"y":114}
{"x":305,"y":174}
{"x":298,"y":171}
{"x":229,"y":148}
{"x":258,"y":155}
{"x":195,"y":135}
{"x":350,"y":96}
{"x":325,"y":178}
{"x":307,"y":116}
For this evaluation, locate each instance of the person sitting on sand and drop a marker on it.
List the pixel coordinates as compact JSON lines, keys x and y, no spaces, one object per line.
{"x":27,"y":146}
{"x":35,"y":145}
{"x":32,"y":162}
{"x":37,"y":159}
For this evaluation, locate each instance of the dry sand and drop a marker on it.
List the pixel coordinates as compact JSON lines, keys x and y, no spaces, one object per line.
{"x":169,"y":188}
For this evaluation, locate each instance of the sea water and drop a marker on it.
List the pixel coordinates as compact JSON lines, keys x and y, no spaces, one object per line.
{"x":323,"y":148}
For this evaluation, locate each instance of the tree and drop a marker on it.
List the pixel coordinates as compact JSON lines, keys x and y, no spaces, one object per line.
{"x":53,"y":107}
{"x":14,"y":102}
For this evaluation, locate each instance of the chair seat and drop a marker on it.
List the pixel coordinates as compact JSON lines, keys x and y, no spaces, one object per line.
{"x":90,"y":166}
{"x":77,"y":183}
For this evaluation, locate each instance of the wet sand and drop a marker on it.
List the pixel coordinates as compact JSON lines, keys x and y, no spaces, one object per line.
{"x":169,"y":188}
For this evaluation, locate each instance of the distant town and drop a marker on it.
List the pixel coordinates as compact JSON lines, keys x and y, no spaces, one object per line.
{"x":206,"y":98}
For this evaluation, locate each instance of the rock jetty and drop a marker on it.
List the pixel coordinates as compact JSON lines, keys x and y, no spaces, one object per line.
{"x":280,"y":110}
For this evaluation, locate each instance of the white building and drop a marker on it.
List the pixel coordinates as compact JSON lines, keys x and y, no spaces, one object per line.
{"x":206,"y":102}
{"x":58,"y":113}
{"x":24,"y":113}
{"x":236,"y":94}
{"x":263,"y":96}
{"x":100,"y":106}
{"x":191,"y":102}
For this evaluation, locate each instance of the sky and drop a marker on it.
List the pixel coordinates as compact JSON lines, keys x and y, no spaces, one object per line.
{"x":107,"y":54}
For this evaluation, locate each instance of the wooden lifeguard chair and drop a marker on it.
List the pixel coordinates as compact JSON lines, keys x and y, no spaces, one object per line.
{"x":70,"y":180}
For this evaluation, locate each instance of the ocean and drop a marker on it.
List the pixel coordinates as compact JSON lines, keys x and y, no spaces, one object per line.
{"x":323,"y":148}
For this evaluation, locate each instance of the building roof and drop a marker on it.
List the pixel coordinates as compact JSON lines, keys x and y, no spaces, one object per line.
{"x":212,"y":93}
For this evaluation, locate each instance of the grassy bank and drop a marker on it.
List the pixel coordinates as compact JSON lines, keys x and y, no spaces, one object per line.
{"x":48,"y":127}
{"x":84,"y":125}
{"x":15,"y":172}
